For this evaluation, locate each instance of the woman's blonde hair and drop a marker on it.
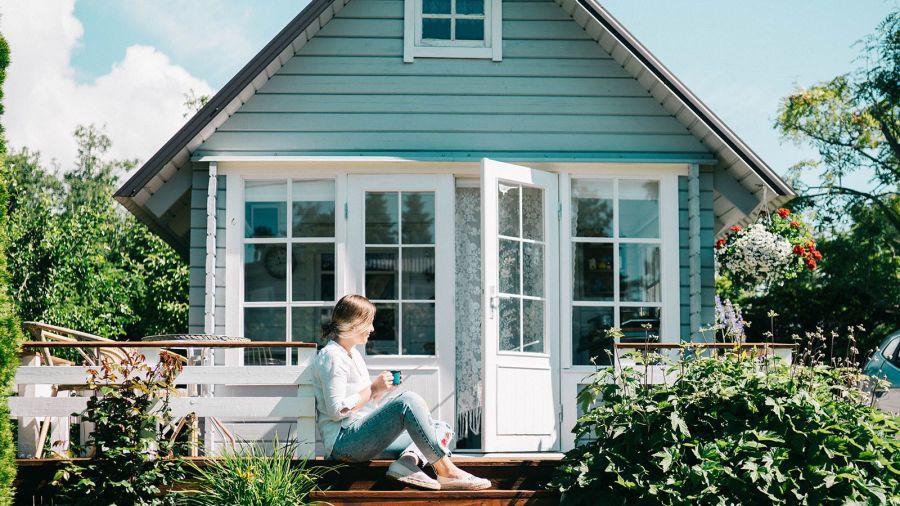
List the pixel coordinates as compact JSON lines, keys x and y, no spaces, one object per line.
{"x":349,"y":313}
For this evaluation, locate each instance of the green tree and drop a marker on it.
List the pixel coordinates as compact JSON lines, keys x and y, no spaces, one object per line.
{"x":82,"y":261}
{"x":853,"y":121}
{"x":10,"y":331}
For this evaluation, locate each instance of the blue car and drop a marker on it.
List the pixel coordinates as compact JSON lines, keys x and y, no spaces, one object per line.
{"x":885,"y":361}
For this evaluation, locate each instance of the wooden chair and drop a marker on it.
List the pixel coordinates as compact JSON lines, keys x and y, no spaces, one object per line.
{"x":46,"y":332}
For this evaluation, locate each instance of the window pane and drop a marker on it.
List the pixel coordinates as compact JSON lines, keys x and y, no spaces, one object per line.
{"x":265,"y":272}
{"x":418,"y":329}
{"x":533,"y":213}
{"x":592,"y":208}
{"x":533,"y":266}
{"x":469,"y":29}
{"x":469,"y":6}
{"x":638,"y":208}
{"x":265,"y":324}
{"x":418,"y":218}
{"x":313,"y":276}
{"x":436,"y":6}
{"x":589,"y":325}
{"x":639,"y":276}
{"x":384,"y":340}
{"x":265,"y":209}
{"x":593,"y":271}
{"x":381,"y":273}
{"x":435,"y":28}
{"x":508,"y":212}
{"x":509,"y":266}
{"x":418,"y":274}
{"x":533,"y":326}
{"x":313,"y":208}
{"x":306,"y":324}
{"x":509,"y":324}
{"x":639,"y":324}
{"x":381,"y":218}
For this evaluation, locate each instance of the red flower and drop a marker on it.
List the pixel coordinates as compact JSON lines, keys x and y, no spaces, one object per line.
{"x":736,"y":228}
{"x":720,"y":243}
{"x":810,"y":245}
{"x":784,"y":213}
{"x":795,"y":224}
{"x":798,"y":250}
{"x":811,"y":264}
{"x":817,"y":255}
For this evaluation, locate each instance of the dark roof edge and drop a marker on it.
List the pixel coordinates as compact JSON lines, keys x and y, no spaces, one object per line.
{"x":731,"y":139}
{"x":220,"y":100}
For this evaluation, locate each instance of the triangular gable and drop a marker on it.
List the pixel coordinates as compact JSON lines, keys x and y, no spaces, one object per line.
{"x":158,"y":192}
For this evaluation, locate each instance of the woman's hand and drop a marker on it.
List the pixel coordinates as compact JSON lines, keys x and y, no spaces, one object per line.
{"x":382,"y":384}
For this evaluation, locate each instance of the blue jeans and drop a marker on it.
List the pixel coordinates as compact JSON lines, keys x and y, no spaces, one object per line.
{"x":401,"y":425}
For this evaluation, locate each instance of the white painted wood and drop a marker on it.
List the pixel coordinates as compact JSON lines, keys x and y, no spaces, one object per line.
{"x":502,"y":377}
{"x":495,"y":11}
{"x":30,"y":427}
{"x":190,"y":375}
{"x":234,"y":216}
{"x":209,"y":310}
{"x":220,"y":407}
{"x":440,"y":392}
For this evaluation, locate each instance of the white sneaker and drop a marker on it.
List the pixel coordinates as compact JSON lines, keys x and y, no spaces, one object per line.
{"x":468,"y":482}
{"x":406,"y":471}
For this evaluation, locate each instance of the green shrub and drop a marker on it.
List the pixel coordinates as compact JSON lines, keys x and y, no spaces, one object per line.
{"x":733,"y":430}
{"x":252,"y":477}
{"x":10,"y":332}
{"x":130,"y":410}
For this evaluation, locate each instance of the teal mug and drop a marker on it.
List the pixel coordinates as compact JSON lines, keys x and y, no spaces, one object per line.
{"x":396,"y":377}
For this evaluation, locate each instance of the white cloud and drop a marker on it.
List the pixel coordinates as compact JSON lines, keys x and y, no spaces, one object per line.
{"x":140,"y":101}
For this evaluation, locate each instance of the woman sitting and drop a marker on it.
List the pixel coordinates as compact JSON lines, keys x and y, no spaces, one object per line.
{"x":358,"y":420}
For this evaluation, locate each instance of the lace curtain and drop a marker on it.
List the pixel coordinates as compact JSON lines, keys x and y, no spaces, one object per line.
{"x":468,"y":311}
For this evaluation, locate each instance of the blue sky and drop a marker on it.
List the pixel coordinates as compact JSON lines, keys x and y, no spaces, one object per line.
{"x":740,"y":57}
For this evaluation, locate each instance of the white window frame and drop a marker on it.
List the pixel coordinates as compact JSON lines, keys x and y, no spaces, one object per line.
{"x":414,"y":47}
{"x":235,"y":251}
{"x":571,"y":376}
{"x":669,"y":327}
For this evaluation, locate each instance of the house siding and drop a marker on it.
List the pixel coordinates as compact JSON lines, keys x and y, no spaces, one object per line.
{"x":556,"y":93}
{"x":707,"y":254}
{"x":198,"y":251}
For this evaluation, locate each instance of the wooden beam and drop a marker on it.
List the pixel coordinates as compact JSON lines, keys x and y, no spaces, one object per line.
{"x":694,"y":248}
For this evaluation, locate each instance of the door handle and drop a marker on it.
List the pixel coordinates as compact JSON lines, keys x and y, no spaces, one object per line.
{"x":494,"y":302}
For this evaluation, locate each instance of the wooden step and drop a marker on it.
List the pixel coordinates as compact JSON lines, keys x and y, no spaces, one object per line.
{"x":504,"y":473}
{"x":425,"y":497}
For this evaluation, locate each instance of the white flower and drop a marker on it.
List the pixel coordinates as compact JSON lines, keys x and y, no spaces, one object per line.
{"x":758,"y":255}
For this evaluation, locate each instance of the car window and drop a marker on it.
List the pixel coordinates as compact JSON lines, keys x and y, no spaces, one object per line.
{"x":890,"y":351}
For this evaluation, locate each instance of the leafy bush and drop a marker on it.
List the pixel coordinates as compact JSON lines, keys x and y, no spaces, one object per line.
{"x":251,"y":477}
{"x":734,"y":429}
{"x":118,"y":279}
{"x":130,"y":410}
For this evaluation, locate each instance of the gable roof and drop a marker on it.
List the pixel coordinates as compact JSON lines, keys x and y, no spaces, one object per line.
{"x":734,"y":156}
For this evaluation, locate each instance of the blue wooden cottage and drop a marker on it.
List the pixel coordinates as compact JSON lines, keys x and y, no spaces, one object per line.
{"x":506,"y":179}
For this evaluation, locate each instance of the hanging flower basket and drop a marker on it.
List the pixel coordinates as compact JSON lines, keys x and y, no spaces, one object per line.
{"x":775,"y":248}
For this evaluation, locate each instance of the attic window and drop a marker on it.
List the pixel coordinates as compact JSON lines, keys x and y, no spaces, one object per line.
{"x":452,"y":29}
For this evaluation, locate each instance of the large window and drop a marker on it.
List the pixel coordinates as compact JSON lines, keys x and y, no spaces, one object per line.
{"x":289,"y":263}
{"x":452,"y":29}
{"x":615,"y":231}
{"x":400,"y":271}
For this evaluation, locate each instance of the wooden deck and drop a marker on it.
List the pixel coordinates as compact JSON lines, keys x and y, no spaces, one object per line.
{"x":516,"y":481}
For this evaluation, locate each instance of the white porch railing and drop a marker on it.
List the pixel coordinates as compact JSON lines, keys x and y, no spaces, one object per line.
{"x":260,"y":403}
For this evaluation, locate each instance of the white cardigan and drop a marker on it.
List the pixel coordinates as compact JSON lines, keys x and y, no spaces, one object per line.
{"x":338,"y":378}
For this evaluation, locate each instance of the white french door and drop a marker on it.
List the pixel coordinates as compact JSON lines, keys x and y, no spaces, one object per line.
{"x":400,"y":255}
{"x":520,"y":243}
